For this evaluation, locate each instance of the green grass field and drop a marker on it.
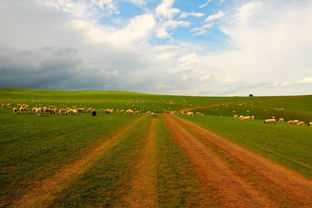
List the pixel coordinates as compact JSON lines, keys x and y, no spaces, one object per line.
{"x":33,"y":148}
{"x":100,"y":100}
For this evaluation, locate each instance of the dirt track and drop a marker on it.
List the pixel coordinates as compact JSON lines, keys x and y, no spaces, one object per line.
{"x":231,"y":176}
{"x":142,"y":192}
{"x":49,"y":188}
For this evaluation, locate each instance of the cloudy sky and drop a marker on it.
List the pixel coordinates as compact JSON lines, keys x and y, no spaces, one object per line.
{"x":191,"y":47}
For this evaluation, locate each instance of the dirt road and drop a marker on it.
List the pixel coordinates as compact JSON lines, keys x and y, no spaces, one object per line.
{"x":143,"y":185}
{"x":49,"y":188}
{"x":231,"y":176}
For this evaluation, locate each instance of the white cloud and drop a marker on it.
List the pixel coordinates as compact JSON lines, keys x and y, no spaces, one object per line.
{"x":138,"y":30}
{"x":307,"y":80}
{"x":194,"y":14}
{"x":228,"y":80}
{"x":162,"y":29}
{"x":165,"y":10}
{"x":216,"y":16}
{"x":205,"y":4}
{"x":137,"y":2}
{"x":84,"y":8}
{"x":265,"y":40}
{"x":202,"y":30}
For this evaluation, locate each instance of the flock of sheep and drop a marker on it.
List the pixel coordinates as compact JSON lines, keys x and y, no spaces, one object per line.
{"x":38,"y":110}
{"x":273,"y":120}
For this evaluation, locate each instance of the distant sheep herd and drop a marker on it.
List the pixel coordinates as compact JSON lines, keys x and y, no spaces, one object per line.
{"x":38,"y":110}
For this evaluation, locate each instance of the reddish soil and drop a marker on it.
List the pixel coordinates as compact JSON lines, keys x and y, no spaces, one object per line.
{"x":143,"y":189}
{"x":254,"y":182}
{"x":49,"y":188}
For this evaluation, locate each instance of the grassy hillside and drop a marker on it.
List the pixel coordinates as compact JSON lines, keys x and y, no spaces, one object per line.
{"x":116,"y":100}
{"x":288,"y":107}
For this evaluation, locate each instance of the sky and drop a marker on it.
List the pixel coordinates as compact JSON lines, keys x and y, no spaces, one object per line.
{"x":182,"y":47}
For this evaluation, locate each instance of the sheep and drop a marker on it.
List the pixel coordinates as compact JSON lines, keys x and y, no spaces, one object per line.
{"x":129,"y":111}
{"x":93,"y":112}
{"x":235,"y":116}
{"x":14,"y":110}
{"x":309,"y":123}
{"x":37,"y":111}
{"x":281,"y":120}
{"x":271,"y":120}
{"x":108,"y":111}
{"x":154,"y":115}
{"x":189,"y":113}
{"x":296,"y":121}
{"x":245,"y":118}
{"x":80,"y":110}
{"x":3,"y":105}
{"x":23,"y":108}
{"x":136,"y":112}
{"x":252,"y":117}
{"x":301,"y":123}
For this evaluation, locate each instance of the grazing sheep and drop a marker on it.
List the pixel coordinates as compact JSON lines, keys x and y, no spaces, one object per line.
{"x":269,"y":121}
{"x":129,"y":111}
{"x":108,"y":111}
{"x":38,"y":111}
{"x":93,"y":112}
{"x":3,"y":105}
{"x":136,"y":112}
{"x":14,"y":110}
{"x":309,"y":123}
{"x":154,"y":115}
{"x":296,"y":122}
{"x":281,"y":120}
{"x":189,"y":114}
{"x":246,"y":118}
{"x":301,"y":123}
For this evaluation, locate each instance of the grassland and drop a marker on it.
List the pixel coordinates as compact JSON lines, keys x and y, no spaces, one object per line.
{"x":33,"y":148}
{"x":286,"y":144}
{"x":107,"y":181}
{"x":100,"y":100}
{"x":289,"y":108}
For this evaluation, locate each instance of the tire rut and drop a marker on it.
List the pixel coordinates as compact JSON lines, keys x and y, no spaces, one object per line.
{"x":228,"y":190}
{"x":48,"y":189}
{"x":293,"y":189}
{"x":143,"y":190}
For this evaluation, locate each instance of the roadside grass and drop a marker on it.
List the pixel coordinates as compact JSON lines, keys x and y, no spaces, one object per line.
{"x":33,"y":148}
{"x":286,"y":144}
{"x":108,"y":180}
{"x":176,"y":186}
